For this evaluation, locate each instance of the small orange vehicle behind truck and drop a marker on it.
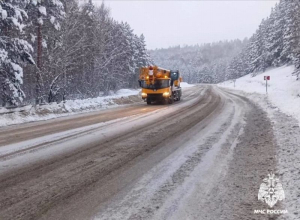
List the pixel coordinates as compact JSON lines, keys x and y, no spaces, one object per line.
{"x":160,"y":85}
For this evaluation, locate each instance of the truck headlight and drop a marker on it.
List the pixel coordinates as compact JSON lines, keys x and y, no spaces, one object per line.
{"x":144,"y":94}
{"x":166,"y":94}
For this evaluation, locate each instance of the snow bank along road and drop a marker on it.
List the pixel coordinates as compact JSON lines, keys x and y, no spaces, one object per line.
{"x":201,"y":158}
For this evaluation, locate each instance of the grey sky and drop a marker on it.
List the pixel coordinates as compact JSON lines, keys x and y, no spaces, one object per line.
{"x":170,"y":23}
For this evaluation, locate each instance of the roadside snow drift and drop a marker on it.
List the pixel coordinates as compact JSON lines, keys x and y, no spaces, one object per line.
{"x":186,"y":85}
{"x":53,"y":110}
{"x":283,"y":88}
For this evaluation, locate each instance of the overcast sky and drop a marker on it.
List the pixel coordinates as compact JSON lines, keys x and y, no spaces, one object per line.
{"x":170,"y":23}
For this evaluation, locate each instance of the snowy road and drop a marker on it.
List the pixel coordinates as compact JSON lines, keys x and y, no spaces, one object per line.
{"x":201,"y":158}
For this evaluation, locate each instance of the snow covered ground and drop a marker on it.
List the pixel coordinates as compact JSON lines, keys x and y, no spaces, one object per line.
{"x":44,"y":112}
{"x":283,"y":88}
{"x":282,"y":103}
{"x":31,"y":113}
{"x":211,"y":168}
{"x":186,"y":85}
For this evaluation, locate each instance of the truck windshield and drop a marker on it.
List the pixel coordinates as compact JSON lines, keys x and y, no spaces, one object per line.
{"x":158,"y":84}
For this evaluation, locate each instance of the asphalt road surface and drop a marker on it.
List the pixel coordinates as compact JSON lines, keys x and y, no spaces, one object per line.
{"x":201,"y":158}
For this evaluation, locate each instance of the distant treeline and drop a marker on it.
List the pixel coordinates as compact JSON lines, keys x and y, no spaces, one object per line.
{"x":206,"y":63}
{"x":275,"y":43}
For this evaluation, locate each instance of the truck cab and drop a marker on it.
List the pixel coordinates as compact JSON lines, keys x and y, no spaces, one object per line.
{"x":160,"y":85}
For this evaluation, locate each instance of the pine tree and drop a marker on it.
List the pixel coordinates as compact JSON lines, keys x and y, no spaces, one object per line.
{"x":291,"y":31}
{"x":277,"y":42}
{"x":43,"y":13}
{"x":14,"y":51}
{"x":80,"y":56}
{"x":143,"y":57}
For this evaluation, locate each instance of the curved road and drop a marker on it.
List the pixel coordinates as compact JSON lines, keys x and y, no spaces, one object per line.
{"x":140,"y":162}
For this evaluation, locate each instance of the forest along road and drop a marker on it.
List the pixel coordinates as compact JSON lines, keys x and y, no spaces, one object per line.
{"x":201,"y":158}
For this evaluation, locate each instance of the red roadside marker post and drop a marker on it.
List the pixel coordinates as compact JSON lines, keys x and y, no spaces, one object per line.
{"x":267,"y":78}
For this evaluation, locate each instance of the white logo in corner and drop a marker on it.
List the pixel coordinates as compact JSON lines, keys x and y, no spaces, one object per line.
{"x":271,"y":190}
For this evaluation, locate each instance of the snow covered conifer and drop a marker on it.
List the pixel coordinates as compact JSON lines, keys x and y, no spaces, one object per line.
{"x":39,"y":12}
{"x":14,"y":51}
{"x":143,"y":57}
{"x":277,"y":43}
{"x":42,"y":13}
{"x":291,"y":31}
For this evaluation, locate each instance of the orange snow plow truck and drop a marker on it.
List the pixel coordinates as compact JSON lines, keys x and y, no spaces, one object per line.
{"x":160,"y":85}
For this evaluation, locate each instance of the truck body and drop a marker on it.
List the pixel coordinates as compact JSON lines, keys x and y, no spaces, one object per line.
{"x":160,"y":85}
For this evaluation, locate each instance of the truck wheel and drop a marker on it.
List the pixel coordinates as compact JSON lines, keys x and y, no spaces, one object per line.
{"x":171,"y":99}
{"x":179,"y":95}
